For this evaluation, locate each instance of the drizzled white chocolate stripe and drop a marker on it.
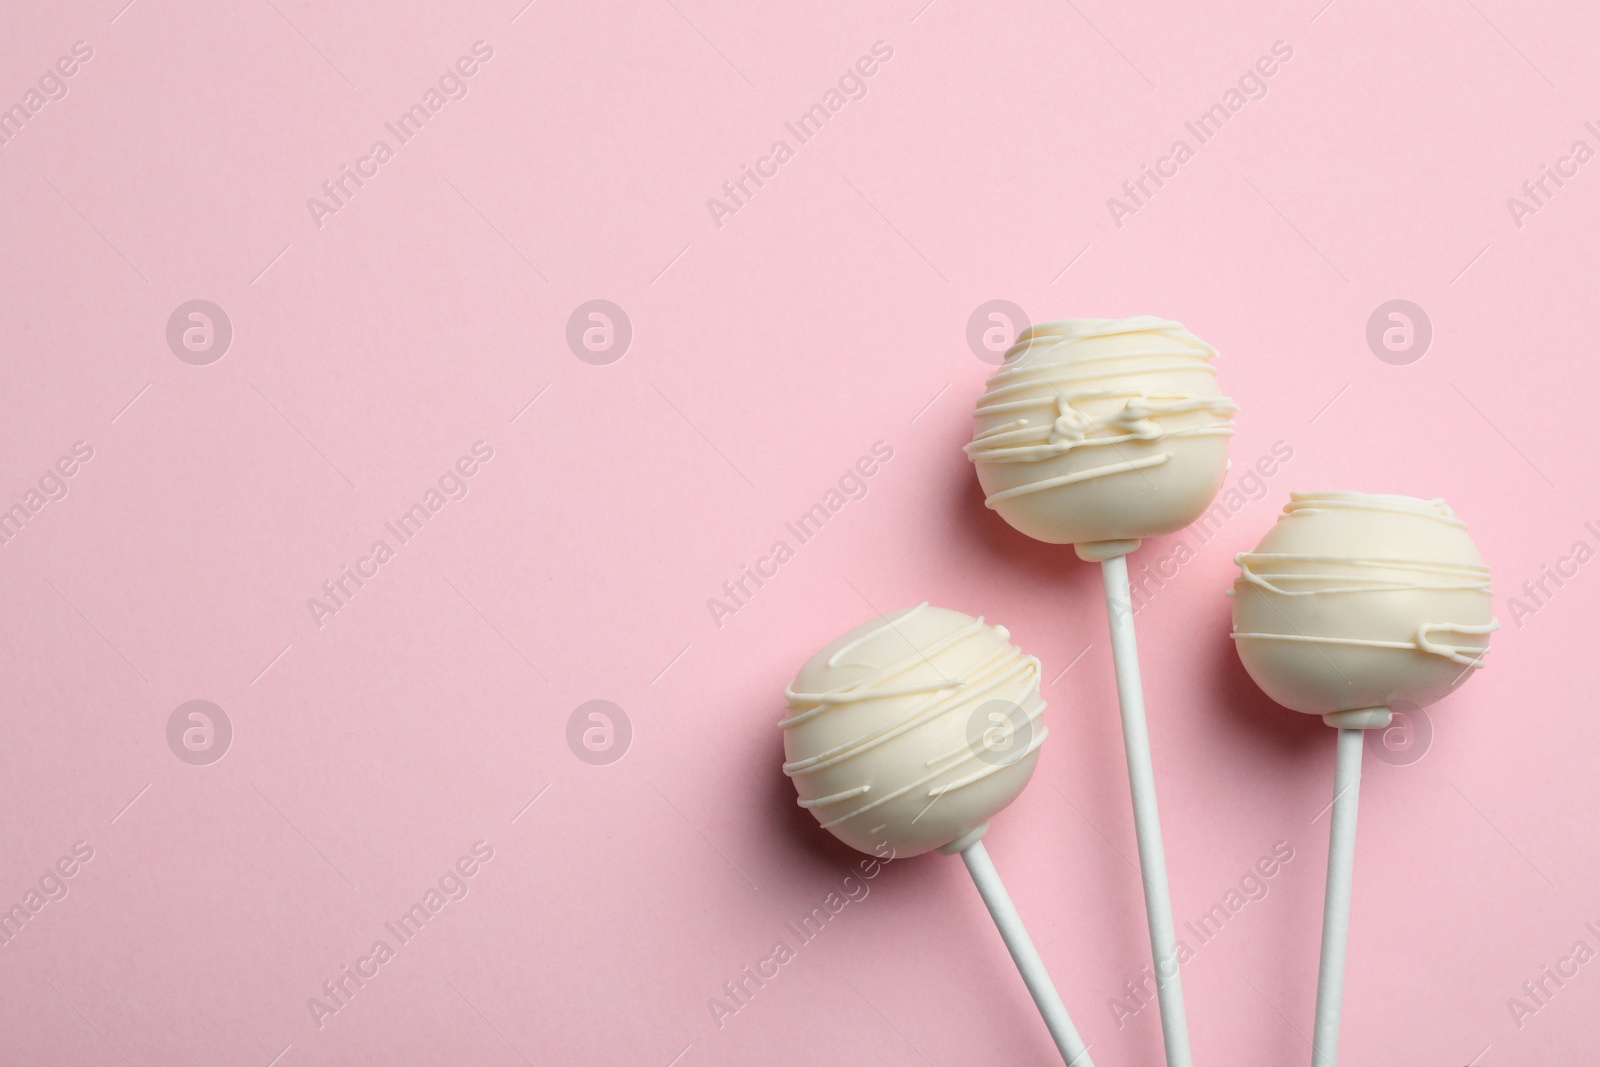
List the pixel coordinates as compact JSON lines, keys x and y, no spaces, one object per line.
{"x":1421,"y":643}
{"x":1450,"y":576}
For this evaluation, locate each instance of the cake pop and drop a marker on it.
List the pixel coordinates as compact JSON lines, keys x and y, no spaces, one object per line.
{"x":1351,"y":603}
{"x":1099,"y":433}
{"x":910,"y":733}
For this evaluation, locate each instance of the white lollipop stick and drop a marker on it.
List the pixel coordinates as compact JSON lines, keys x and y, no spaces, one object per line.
{"x":1336,"y":906}
{"x":1144,"y":387}
{"x":1146,"y":819}
{"x":1015,"y":935}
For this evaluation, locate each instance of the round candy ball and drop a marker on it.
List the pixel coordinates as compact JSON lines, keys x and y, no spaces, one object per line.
{"x":911,"y":731}
{"x":1102,"y":431}
{"x":1353,"y":601}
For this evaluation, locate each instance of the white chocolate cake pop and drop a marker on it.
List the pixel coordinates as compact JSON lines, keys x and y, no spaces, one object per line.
{"x":1102,"y":430}
{"x":913,"y":730}
{"x":1353,"y":600}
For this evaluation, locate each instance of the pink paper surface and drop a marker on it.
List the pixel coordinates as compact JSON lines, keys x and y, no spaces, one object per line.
{"x":380,"y":335}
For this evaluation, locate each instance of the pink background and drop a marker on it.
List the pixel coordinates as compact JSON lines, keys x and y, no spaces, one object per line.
{"x":768,"y":353}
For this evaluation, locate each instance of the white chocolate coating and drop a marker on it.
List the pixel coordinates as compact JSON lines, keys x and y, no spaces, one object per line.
{"x":913,"y":730}
{"x":1354,"y":600}
{"x":1102,"y":430}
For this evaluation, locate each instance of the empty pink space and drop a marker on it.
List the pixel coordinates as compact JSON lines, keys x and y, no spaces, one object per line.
{"x":431,"y":437}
